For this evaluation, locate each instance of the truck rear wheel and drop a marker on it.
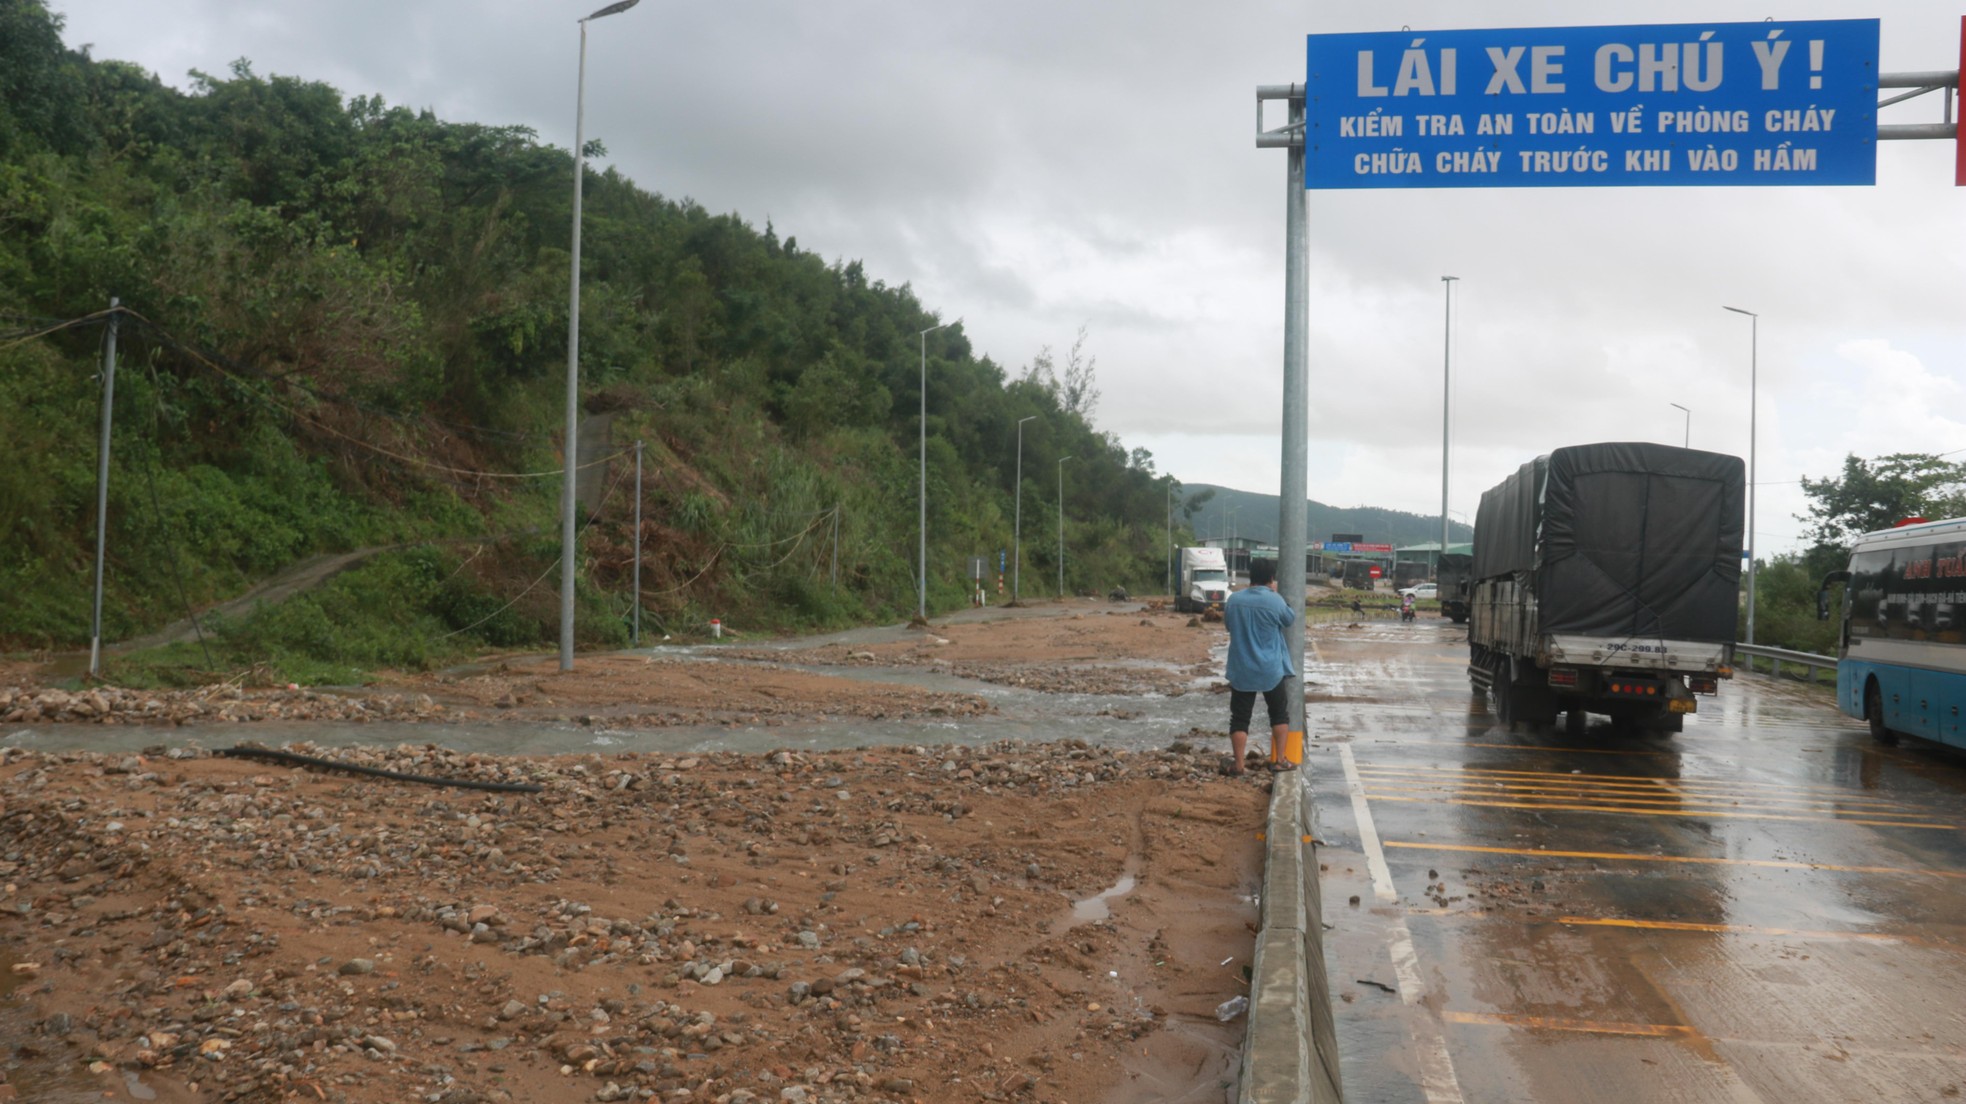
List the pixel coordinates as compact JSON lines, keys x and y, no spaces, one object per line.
{"x":1874,"y":715}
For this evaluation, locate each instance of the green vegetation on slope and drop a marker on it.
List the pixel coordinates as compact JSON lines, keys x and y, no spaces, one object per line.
{"x":1254,"y":516}
{"x":348,"y":323}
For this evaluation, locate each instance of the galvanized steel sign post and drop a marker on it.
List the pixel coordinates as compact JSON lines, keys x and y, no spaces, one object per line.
{"x":1688,"y":104}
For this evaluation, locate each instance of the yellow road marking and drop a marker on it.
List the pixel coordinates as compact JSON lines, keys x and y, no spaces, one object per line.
{"x":1338,"y":735}
{"x":1730,"y":929}
{"x":1708,"y":793}
{"x":1725,"y":814}
{"x":1705,"y":860}
{"x":1651,"y":797}
{"x":1665,"y":925}
{"x":1780,"y":787}
{"x":1538,"y":747}
{"x":1552,"y":1023}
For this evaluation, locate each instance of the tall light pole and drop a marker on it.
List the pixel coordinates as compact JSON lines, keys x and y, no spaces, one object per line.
{"x":1170,"y":536}
{"x":568,"y":563}
{"x":921,"y":578}
{"x":1687,"y":440}
{"x":1446,"y":398}
{"x":1061,"y":524}
{"x":1017,"y":525}
{"x":1754,"y":370}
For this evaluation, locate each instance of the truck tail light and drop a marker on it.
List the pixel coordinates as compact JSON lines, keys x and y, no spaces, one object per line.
{"x":1563,"y":676}
{"x":1703,"y":684}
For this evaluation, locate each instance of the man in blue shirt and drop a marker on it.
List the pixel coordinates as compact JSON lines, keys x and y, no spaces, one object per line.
{"x":1259,"y":663}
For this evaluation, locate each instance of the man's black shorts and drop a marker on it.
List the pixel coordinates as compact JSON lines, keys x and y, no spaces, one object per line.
{"x":1242,"y":703}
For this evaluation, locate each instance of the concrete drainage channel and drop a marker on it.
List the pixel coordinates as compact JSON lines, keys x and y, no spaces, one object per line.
{"x":1290,"y":1053}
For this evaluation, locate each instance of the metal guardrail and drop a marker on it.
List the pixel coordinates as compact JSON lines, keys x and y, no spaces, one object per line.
{"x":1808,"y":661}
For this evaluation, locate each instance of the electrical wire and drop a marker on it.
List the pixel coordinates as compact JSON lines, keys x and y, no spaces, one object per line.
{"x":8,"y":341}
{"x":402,"y":458}
{"x":591,"y":518}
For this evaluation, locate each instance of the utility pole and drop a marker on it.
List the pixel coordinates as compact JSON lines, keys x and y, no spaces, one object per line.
{"x":635,"y":634}
{"x":102,"y":485}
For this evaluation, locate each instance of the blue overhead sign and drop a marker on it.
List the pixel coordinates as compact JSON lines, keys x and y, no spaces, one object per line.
{"x":1681,"y":104}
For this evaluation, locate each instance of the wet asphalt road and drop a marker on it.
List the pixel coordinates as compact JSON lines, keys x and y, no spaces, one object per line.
{"x":1766,"y":907}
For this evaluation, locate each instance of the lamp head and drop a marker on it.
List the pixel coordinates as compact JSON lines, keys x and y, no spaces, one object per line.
{"x":614,"y":9}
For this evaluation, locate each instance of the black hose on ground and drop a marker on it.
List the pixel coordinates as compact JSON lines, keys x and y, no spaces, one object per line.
{"x":295,"y":760}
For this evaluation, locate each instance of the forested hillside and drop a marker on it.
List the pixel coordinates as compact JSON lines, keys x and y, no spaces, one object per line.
{"x":1225,"y":511}
{"x":346,"y":329}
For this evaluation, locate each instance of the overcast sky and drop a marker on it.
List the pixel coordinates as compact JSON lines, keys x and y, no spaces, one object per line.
{"x":1034,"y":166}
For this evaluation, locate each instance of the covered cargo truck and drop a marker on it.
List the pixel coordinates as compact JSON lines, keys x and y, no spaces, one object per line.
{"x":1358,"y":574}
{"x":1606,"y":579}
{"x":1203,"y":580}
{"x":1456,"y":581}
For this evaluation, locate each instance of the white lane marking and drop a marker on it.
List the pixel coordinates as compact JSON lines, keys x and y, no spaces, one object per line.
{"x":1437,"y":1078}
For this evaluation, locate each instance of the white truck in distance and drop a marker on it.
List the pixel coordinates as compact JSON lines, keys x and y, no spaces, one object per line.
{"x":1202,"y":581}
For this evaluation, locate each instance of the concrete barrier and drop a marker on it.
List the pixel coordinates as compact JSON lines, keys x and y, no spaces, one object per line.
{"x":1290,"y":1052}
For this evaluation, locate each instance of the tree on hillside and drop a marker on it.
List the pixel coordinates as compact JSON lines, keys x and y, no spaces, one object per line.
{"x":1877,"y":494}
{"x":1081,"y":392}
{"x":41,"y":87}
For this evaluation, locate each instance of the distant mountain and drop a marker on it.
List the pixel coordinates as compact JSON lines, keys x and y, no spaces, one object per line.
{"x":1231,"y":512}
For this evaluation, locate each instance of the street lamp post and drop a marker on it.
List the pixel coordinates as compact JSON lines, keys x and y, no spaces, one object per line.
{"x":921,"y":578}
{"x":1687,"y":440}
{"x":567,"y":484}
{"x":1061,"y":525}
{"x":1017,"y":525}
{"x":1754,"y":370}
{"x":1446,"y":397}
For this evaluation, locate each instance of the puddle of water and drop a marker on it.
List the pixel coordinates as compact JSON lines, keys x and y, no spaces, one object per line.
{"x":133,"y":1084}
{"x":1094,"y":908}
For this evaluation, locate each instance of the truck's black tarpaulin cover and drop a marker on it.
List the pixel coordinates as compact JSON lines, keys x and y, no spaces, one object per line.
{"x":1622,"y":540}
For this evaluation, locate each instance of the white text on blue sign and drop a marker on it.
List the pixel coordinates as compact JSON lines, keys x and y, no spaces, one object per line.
{"x":1691,"y":104}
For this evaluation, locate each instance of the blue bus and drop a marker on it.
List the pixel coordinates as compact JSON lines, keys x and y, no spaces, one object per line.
{"x":1901,"y":661}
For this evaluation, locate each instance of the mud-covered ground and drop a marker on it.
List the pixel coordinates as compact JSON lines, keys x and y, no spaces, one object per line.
{"x":1106,"y":651}
{"x":898,"y":924}
{"x":1097,"y":649}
